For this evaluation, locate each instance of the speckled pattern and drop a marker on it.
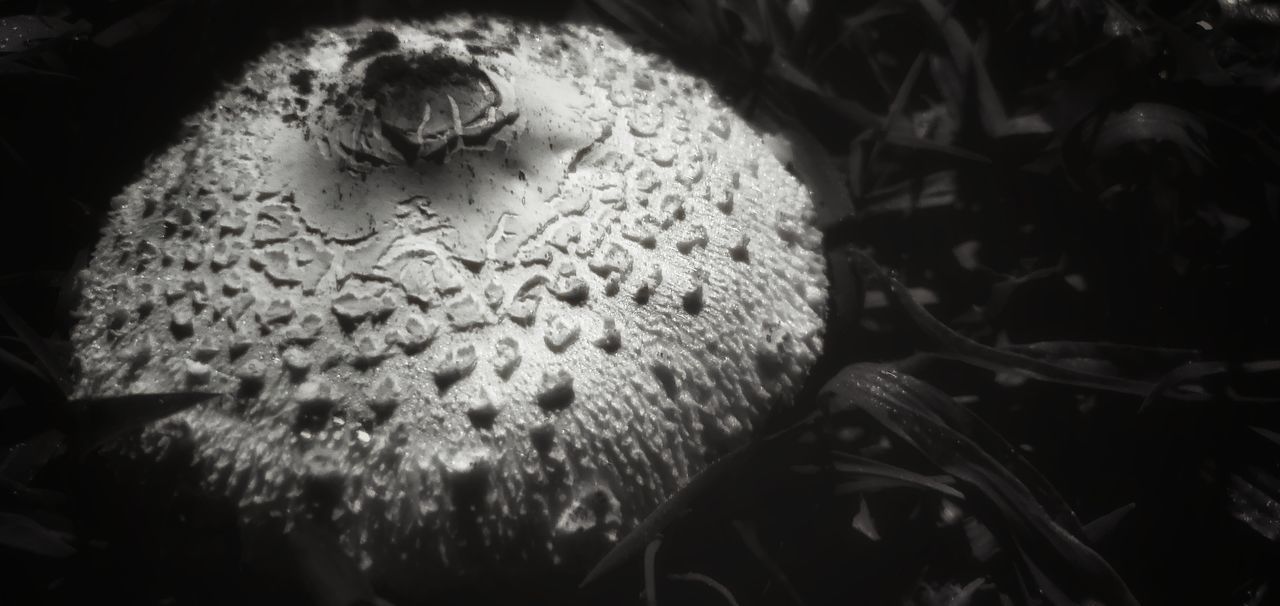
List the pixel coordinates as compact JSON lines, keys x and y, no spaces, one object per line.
{"x":481,"y":293}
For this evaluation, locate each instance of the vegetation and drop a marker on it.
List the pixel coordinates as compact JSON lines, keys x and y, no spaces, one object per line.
{"x":1062,"y":390}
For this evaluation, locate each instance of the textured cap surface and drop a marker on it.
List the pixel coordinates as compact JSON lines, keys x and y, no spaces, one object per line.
{"x":483,"y":294}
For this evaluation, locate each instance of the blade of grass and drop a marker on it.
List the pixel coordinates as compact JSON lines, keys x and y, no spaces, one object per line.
{"x":969,"y":62}
{"x":709,"y":482}
{"x":938,"y":191}
{"x":873,"y":13}
{"x":861,"y":466}
{"x":952,"y":32}
{"x":13,"y":493}
{"x":1198,"y":372}
{"x":24,"y":534}
{"x":1119,"y":353}
{"x":982,"y":544}
{"x":22,"y":461}
{"x":1102,"y":527}
{"x":775,"y":22}
{"x":948,"y":343}
{"x":925,"y":147}
{"x":946,"y":412}
{"x":1048,"y":586}
{"x":638,"y":18}
{"x":27,"y":32}
{"x":650,"y":571}
{"x":898,"y":106}
{"x":10,"y":67}
{"x":1004,"y":290}
{"x":864,"y":522}
{"x":100,"y":419}
{"x":1193,"y":59}
{"x":1254,"y":500}
{"x":1267,"y":434}
{"x":37,"y":346}
{"x":680,"y":32}
{"x":851,"y":111}
{"x":814,"y":165}
{"x":18,"y":365}
{"x":860,"y":163}
{"x":136,"y":25}
{"x":715,"y":585}
{"x":747,"y":533}
{"x":965,"y":596}
{"x":917,"y":413}
{"x":850,"y":26}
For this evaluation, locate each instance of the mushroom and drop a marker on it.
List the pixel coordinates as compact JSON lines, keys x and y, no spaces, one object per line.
{"x":497,"y":289}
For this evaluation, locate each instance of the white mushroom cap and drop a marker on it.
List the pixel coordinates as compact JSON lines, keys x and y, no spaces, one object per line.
{"x":500,"y":289}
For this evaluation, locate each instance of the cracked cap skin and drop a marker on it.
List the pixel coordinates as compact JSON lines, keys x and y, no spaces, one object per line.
{"x":480,"y":294}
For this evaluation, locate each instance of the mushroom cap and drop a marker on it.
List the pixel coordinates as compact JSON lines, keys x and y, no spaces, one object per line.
{"x":480,"y":294}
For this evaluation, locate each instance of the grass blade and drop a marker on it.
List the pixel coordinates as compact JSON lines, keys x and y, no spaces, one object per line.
{"x":1118,"y":353}
{"x":918,"y":414}
{"x":712,"y":479}
{"x":831,"y":197}
{"x":1104,"y":526}
{"x":650,"y":574}
{"x":715,"y":585}
{"x":949,"y":343}
{"x":1198,"y":372}
{"x":36,"y":344}
{"x":926,"y":148}
{"x":20,"y":366}
{"x":101,"y":419}
{"x":851,"y":111}
{"x":749,"y":538}
{"x":24,"y":534}
{"x":860,"y":466}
